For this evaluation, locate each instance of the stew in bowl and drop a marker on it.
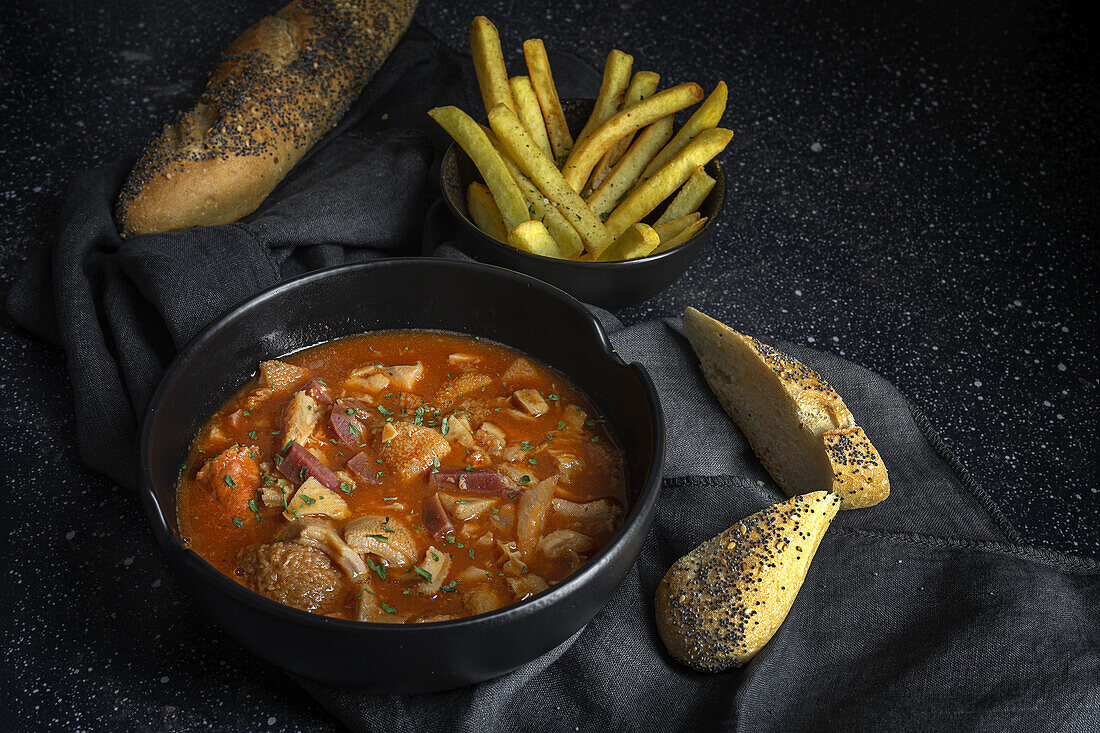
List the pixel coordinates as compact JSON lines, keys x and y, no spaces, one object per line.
{"x":402,"y":477}
{"x":364,"y":305}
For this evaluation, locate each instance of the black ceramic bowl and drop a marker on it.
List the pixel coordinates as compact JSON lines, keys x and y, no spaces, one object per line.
{"x":467,"y":297}
{"x":607,"y":284}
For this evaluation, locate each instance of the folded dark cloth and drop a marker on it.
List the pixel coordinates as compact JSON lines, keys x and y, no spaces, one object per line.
{"x":923,"y":613}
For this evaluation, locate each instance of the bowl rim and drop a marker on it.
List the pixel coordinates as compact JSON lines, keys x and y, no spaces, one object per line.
{"x":454,"y":149}
{"x":637,"y":518}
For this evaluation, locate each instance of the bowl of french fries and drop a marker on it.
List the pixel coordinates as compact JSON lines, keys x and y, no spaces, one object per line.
{"x":602,"y":197}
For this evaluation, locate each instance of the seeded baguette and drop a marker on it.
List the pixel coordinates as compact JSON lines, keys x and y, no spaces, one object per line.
{"x":797,"y":424}
{"x":278,"y":88}
{"x":721,"y":603}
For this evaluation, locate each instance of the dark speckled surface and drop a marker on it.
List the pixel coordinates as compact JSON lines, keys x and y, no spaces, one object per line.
{"x":912,"y":186}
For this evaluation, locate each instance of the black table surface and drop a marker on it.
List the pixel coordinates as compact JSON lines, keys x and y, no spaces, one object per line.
{"x":912,"y":185}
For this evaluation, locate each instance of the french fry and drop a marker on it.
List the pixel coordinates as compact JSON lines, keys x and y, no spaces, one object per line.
{"x":642,"y":85}
{"x":529,"y":112}
{"x":626,"y":171}
{"x":637,"y":241}
{"x":531,"y":236}
{"x":538,"y":66}
{"x":670,"y":229}
{"x":645,"y":196}
{"x":616,"y":77}
{"x":469,"y":135}
{"x":492,"y":77}
{"x":483,"y":210}
{"x":687,"y":233}
{"x":559,"y":227}
{"x":587,"y":153}
{"x":707,"y":116}
{"x":691,"y":196}
{"x":541,"y":209}
{"x":534,"y":164}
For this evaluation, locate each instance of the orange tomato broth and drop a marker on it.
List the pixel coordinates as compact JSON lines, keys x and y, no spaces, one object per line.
{"x":218,"y":534}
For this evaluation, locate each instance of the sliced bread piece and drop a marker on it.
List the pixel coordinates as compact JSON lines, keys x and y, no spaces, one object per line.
{"x":796,"y":423}
{"x":719,"y":605}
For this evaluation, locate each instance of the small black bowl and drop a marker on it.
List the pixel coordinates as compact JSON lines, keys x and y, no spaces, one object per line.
{"x":421,"y":293}
{"x":606,"y":284}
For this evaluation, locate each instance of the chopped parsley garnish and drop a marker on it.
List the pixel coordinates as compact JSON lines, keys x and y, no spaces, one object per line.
{"x":345,"y":487}
{"x":238,"y":521}
{"x":423,"y":573}
{"x":307,"y":500}
{"x":450,"y":587}
{"x":445,"y":427}
{"x":525,"y":479}
{"x":387,"y":609}
{"x":464,"y":501}
{"x":380,"y":569}
{"x":385,"y":411}
{"x":379,"y":537}
{"x":552,"y":397}
{"x":252,"y":434}
{"x":389,"y":498}
{"x":229,"y":481}
{"x":532,"y":461}
{"x":287,"y":446}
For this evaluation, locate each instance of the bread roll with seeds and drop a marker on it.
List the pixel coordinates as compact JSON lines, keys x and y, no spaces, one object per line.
{"x":719,"y":605}
{"x":796,"y":423}
{"x":277,"y":90}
